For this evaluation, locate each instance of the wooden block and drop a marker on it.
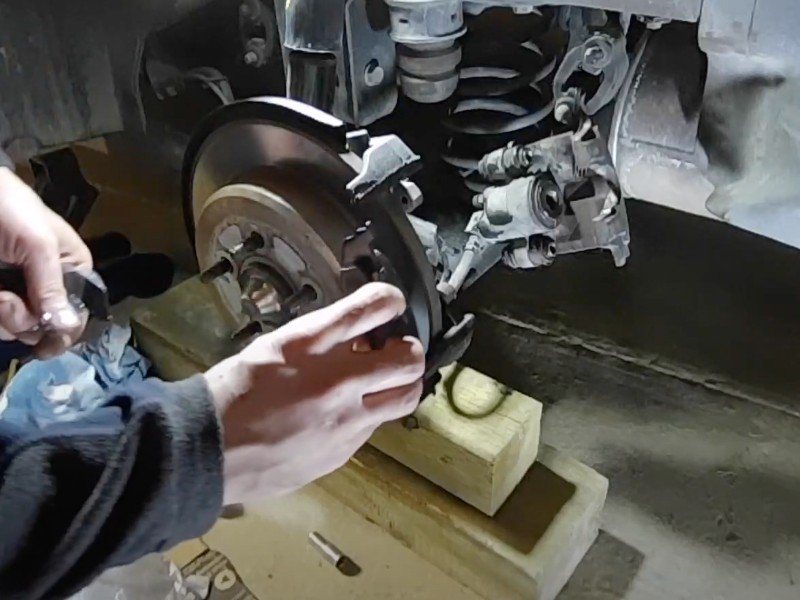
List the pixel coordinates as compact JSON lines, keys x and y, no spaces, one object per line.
{"x":529,"y":549}
{"x":476,"y":438}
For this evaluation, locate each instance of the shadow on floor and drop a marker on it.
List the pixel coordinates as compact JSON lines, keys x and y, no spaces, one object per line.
{"x":606,"y":572}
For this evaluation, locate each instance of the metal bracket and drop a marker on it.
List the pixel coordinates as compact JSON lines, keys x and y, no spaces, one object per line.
{"x":595,"y":226}
{"x":386,"y":162}
{"x":600,"y":54}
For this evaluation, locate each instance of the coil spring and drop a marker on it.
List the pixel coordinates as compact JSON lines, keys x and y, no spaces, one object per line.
{"x":504,"y":92}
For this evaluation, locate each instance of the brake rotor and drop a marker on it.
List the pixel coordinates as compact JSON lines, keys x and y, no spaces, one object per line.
{"x":267,"y":204}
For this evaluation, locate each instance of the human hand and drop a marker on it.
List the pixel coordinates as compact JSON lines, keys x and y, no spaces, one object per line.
{"x":297,"y":403}
{"x":37,"y":240}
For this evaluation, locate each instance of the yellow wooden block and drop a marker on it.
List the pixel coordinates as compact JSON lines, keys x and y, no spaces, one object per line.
{"x":476,"y":438}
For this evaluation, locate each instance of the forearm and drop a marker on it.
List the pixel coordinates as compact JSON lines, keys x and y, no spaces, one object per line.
{"x":139,"y":475}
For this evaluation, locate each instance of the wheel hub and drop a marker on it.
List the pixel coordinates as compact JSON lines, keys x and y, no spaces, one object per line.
{"x":266,"y":198}
{"x":277,"y":266}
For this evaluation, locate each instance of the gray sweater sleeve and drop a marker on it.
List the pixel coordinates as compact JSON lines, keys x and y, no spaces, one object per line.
{"x":138,"y":475}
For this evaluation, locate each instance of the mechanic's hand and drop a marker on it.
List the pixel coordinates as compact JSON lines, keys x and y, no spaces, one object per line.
{"x":298,"y":402}
{"x":37,"y":240}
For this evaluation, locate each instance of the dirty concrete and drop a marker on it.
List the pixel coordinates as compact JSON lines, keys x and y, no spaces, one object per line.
{"x":704,"y":487}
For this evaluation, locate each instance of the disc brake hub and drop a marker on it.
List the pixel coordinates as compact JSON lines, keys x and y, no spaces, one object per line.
{"x":287,"y":217}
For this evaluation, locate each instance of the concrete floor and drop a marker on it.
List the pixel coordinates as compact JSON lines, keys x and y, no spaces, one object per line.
{"x":704,"y":496}
{"x":673,"y":377}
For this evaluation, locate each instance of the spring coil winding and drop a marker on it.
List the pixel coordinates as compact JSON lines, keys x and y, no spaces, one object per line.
{"x":504,"y":92}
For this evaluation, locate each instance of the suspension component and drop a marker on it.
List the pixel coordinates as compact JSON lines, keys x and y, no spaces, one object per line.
{"x":554,"y":196}
{"x":597,"y":52}
{"x":428,"y":52}
{"x":524,"y":207}
{"x":430,"y":74}
{"x":536,"y":251}
{"x":503,"y":95}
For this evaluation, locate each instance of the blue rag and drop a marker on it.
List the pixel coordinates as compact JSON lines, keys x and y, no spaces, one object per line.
{"x":63,"y":388}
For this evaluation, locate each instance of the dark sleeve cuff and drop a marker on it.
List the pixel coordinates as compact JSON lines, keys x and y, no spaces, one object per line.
{"x":139,"y":474}
{"x":196,"y":467}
